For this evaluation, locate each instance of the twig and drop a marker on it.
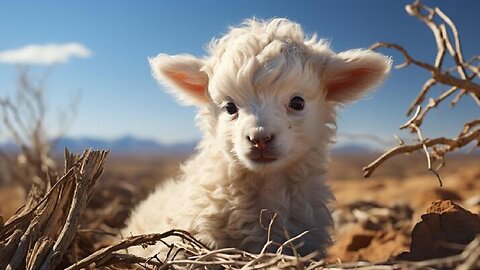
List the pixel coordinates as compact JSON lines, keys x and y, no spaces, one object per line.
{"x":451,"y":144}
{"x":91,"y":169}
{"x":148,"y":239}
{"x":427,"y":154}
{"x":460,"y":84}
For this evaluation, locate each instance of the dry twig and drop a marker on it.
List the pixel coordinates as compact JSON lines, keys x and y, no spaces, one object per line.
{"x":460,"y":84}
{"x":38,"y":237}
{"x":24,"y":118}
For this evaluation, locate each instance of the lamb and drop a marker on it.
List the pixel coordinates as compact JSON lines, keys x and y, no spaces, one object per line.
{"x":267,"y":97}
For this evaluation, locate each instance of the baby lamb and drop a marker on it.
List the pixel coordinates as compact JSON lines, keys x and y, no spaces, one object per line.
{"x":267,"y":97}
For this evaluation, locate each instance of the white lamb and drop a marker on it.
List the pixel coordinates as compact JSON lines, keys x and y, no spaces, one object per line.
{"x":267,"y":99}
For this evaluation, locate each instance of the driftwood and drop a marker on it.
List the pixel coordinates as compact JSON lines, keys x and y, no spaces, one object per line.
{"x":460,"y":81}
{"x":40,"y":234}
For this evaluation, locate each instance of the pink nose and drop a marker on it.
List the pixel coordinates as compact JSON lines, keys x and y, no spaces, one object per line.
{"x":260,"y":142}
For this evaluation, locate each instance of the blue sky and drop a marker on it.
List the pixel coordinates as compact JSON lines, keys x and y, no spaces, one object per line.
{"x":119,"y":96}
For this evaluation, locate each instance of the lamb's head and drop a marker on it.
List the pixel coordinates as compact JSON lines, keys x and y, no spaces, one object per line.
{"x":268,"y":94}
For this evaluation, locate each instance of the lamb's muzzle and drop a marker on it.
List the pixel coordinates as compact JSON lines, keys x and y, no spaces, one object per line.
{"x":262,"y":150}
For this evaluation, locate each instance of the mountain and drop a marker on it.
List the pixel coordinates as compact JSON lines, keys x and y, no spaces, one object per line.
{"x":125,"y":145}
{"x":352,"y":148}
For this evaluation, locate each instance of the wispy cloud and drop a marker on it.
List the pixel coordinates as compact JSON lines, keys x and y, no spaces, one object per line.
{"x":46,"y":54}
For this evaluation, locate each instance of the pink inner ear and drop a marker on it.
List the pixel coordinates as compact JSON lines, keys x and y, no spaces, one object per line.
{"x":351,"y":79}
{"x":181,"y":80}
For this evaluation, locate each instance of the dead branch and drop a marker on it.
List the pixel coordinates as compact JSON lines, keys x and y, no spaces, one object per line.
{"x":459,"y":79}
{"x":437,"y":74}
{"x":140,"y":240}
{"x":24,"y":117}
{"x":89,"y":171}
{"x":39,"y":236}
{"x":449,"y":145}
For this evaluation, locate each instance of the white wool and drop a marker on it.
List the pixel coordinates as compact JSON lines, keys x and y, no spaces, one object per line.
{"x":219,"y":195}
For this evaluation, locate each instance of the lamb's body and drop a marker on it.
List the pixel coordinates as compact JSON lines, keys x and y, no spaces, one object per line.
{"x":221,"y":205}
{"x":266,"y":99}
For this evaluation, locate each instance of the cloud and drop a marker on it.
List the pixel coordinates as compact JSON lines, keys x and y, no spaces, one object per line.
{"x":46,"y":54}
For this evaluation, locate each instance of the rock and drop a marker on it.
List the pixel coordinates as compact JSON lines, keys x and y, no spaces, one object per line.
{"x":444,"y":223}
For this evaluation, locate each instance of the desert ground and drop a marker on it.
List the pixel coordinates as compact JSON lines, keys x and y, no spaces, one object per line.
{"x":374,"y":216}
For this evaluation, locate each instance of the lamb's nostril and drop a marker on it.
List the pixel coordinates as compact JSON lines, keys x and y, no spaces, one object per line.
{"x":268,"y":139}
{"x":260,"y":143}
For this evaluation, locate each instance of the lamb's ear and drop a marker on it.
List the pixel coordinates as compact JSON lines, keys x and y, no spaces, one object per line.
{"x":183,"y":76}
{"x":350,"y":74}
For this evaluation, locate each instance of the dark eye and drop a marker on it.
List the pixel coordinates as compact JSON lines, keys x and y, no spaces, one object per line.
{"x":231,"y":108}
{"x":297,"y":103}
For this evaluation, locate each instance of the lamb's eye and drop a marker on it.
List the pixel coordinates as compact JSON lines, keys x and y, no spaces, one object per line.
{"x":297,"y":103}
{"x":231,"y":108}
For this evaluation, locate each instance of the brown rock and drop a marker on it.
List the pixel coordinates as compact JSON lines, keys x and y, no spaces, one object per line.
{"x":444,"y":206}
{"x":444,"y":223}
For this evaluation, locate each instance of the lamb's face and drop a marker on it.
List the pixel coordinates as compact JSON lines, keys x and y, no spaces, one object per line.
{"x":267,"y":119}
{"x":270,"y":92}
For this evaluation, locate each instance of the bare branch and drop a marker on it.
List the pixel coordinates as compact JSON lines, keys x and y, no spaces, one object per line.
{"x":458,"y":79}
{"x":427,"y":153}
{"x":450,"y":145}
{"x":469,"y":126}
{"x":421,"y":96}
{"x":408,"y":59}
{"x":55,"y":215}
{"x":432,"y":103}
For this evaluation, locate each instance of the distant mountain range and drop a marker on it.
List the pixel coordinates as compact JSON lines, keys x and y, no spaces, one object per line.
{"x":352,"y":148}
{"x":123,"y":145}
{"x":131,"y":145}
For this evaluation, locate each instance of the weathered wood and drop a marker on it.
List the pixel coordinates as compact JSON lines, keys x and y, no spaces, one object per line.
{"x":39,"y":236}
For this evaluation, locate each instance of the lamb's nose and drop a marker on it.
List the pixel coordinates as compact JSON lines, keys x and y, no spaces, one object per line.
{"x":260,"y":142}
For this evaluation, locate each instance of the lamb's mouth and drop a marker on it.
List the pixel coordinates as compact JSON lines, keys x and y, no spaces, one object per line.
{"x":263,"y":156}
{"x":263,"y":159}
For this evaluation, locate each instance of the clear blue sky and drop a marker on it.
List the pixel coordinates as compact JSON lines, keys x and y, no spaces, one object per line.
{"x":119,"y":96}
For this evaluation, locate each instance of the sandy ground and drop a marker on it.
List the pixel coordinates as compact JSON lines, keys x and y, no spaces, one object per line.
{"x":374,"y":216}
